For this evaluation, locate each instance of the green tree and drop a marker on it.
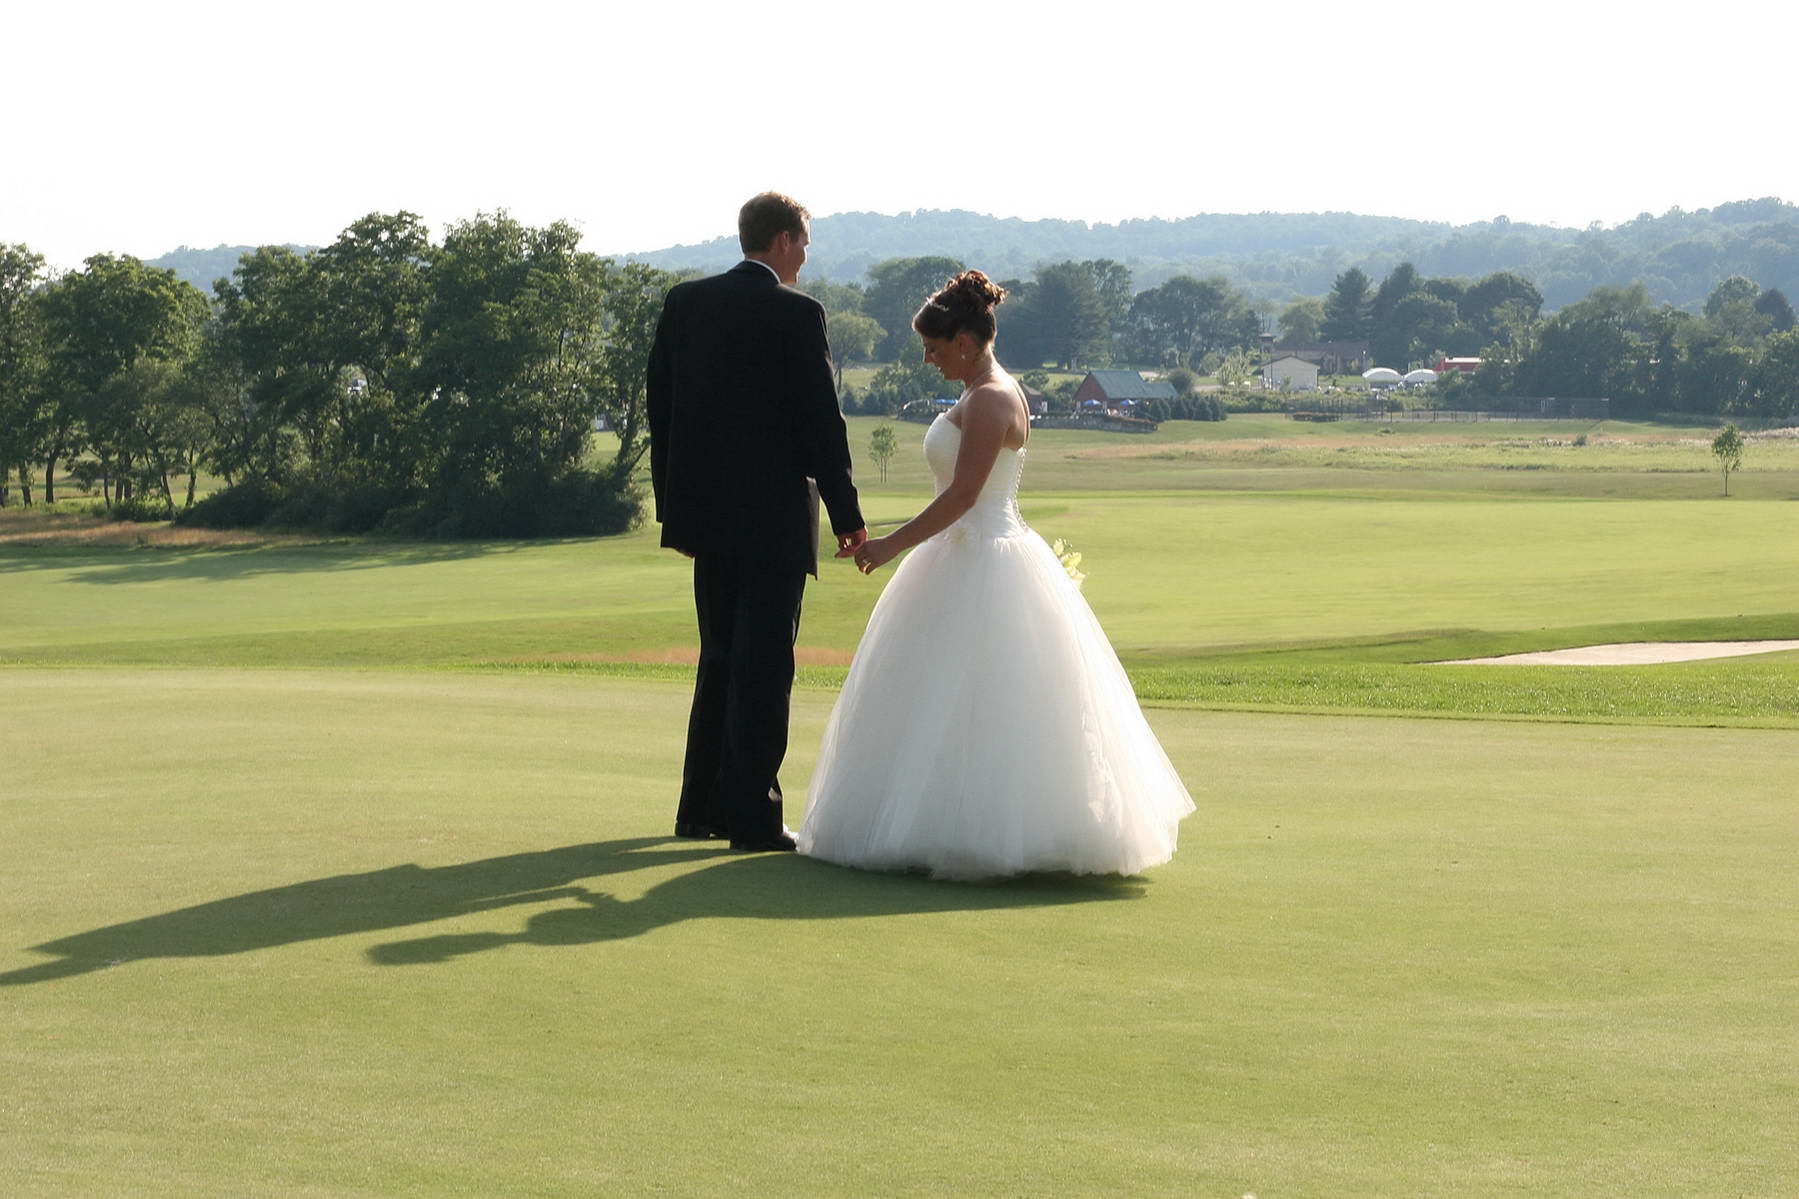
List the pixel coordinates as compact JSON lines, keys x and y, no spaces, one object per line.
{"x":1067,"y":304}
{"x":897,"y":288}
{"x":900,"y":383}
{"x":1068,"y":314}
{"x":1601,"y":346}
{"x":1665,"y":335}
{"x":1742,"y":323}
{"x":1025,"y":342}
{"x":1420,"y":323}
{"x":1346,"y":308}
{"x":1237,"y":368}
{"x":1773,"y":304}
{"x":853,"y":338}
{"x":269,"y":345}
{"x":1301,"y":321}
{"x":23,"y":420}
{"x":147,"y":426}
{"x":1514,"y":326}
{"x":881,"y":447}
{"x":1112,"y":280}
{"x":631,"y":301}
{"x":1389,"y":339}
{"x":836,"y":297}
{"x":1734,"y":290}
{"x":228,"y":434}
{"x":514,"y":342}
{"x":449,"y":388}
{"x":1453,"y":291}
{"x":99,"y":323}
{"x":1714,"y":373}
{"x":1185,"y":319}
{"x":368,"y":291}
{"x":1727,"y":446}
{"x":1581,"y":351}
{"x":1500,"y":299}
{"x":1776,"y":378}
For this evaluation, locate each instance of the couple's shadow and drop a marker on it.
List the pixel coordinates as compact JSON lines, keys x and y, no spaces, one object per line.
{"x":716,"y":883}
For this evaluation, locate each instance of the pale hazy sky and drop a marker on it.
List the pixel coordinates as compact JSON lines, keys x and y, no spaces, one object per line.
{"x":139,"y":127}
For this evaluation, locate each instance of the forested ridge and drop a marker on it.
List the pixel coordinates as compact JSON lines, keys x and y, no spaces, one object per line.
{"x":1678,"y":256}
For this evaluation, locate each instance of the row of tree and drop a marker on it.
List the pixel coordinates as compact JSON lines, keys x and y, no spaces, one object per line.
{"x":453,"y":386}
{"x":1740,"y":357}
{"x":1408,"y":318}
{"x":385,"y":379}
{"x":1737,"y":357}
{"x":1728,"y":359}
{"x":1067,"y":315}
{"x":1084,"y":314}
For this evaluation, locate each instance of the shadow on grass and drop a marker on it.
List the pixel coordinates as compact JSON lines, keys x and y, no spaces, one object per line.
{"x":226,"y":563}
{"x":744,"y":886}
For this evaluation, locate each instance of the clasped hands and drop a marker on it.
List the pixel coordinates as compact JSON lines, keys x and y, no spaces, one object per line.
{"x":870,"y":554}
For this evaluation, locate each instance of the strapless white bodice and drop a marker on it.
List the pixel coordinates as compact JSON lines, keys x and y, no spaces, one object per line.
{"x":995,"y":512}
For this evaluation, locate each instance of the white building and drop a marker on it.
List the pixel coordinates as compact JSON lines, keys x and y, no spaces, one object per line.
{"x":1291,"y":372}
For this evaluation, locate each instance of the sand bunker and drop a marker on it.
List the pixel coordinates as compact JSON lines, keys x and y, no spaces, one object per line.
{"x":1632,"y":653}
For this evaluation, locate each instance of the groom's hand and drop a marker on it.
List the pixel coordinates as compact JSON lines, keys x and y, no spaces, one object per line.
{"x":849,"y":543}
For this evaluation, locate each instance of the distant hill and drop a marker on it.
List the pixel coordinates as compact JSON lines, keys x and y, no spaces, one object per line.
{"x":1679,"y":256}
{"x":846,"y":244}
{"x":201,"y":267}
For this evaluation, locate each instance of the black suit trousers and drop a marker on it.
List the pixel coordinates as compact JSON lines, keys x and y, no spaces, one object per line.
{"x":749,"y":618}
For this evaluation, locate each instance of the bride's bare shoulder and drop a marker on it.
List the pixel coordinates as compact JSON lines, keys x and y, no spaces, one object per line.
{"x":995,"y":404}
{"x":995,"y":397}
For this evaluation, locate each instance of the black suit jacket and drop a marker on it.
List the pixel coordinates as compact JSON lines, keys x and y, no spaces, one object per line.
{"x":743,"y":412}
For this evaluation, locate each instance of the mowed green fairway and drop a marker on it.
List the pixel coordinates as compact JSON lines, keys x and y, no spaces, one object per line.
{"x":1300,"y":599}
{"x":342,"y":869}
{"x":342,"y":932}
{"x":1168,"y":572}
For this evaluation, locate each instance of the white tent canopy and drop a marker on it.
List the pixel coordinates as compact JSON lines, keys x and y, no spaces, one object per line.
{"x":1381,"y":374}
{"x":1421,"y":376}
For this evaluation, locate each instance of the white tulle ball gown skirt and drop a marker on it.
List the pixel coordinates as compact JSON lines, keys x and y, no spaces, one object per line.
{"x":986,"y":727}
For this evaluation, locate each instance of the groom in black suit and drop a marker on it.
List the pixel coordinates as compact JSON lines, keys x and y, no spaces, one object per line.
{"x":745,"y":436}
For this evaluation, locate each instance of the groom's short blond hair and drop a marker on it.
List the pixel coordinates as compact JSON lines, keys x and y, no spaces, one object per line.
{"x":766,"y":215}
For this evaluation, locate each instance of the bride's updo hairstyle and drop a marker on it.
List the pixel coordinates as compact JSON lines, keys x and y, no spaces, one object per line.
{"x":963,"y":305}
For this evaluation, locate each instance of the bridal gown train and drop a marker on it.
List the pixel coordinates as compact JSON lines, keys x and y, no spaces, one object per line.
{"x":986,"y":727}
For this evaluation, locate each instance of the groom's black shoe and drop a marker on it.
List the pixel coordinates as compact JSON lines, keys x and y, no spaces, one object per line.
{"x":693,"y":830}
{"x":781,"y":842}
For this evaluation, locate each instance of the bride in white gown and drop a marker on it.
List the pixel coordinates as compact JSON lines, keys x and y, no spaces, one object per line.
{"x":986,"y":727}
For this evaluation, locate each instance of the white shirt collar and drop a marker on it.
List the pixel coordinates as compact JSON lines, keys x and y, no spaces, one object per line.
{"x":771,"y":270}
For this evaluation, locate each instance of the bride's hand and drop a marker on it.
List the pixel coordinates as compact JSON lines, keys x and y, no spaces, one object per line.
{"x":874,"y":554}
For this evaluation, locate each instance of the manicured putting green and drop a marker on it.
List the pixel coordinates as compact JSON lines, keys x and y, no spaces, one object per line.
{"x":337,"y":933}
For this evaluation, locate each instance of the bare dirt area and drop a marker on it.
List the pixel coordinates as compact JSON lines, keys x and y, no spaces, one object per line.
{"x":79,"y":530}
{"x":1411,"y":442}
{"x":1245,"y":445}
